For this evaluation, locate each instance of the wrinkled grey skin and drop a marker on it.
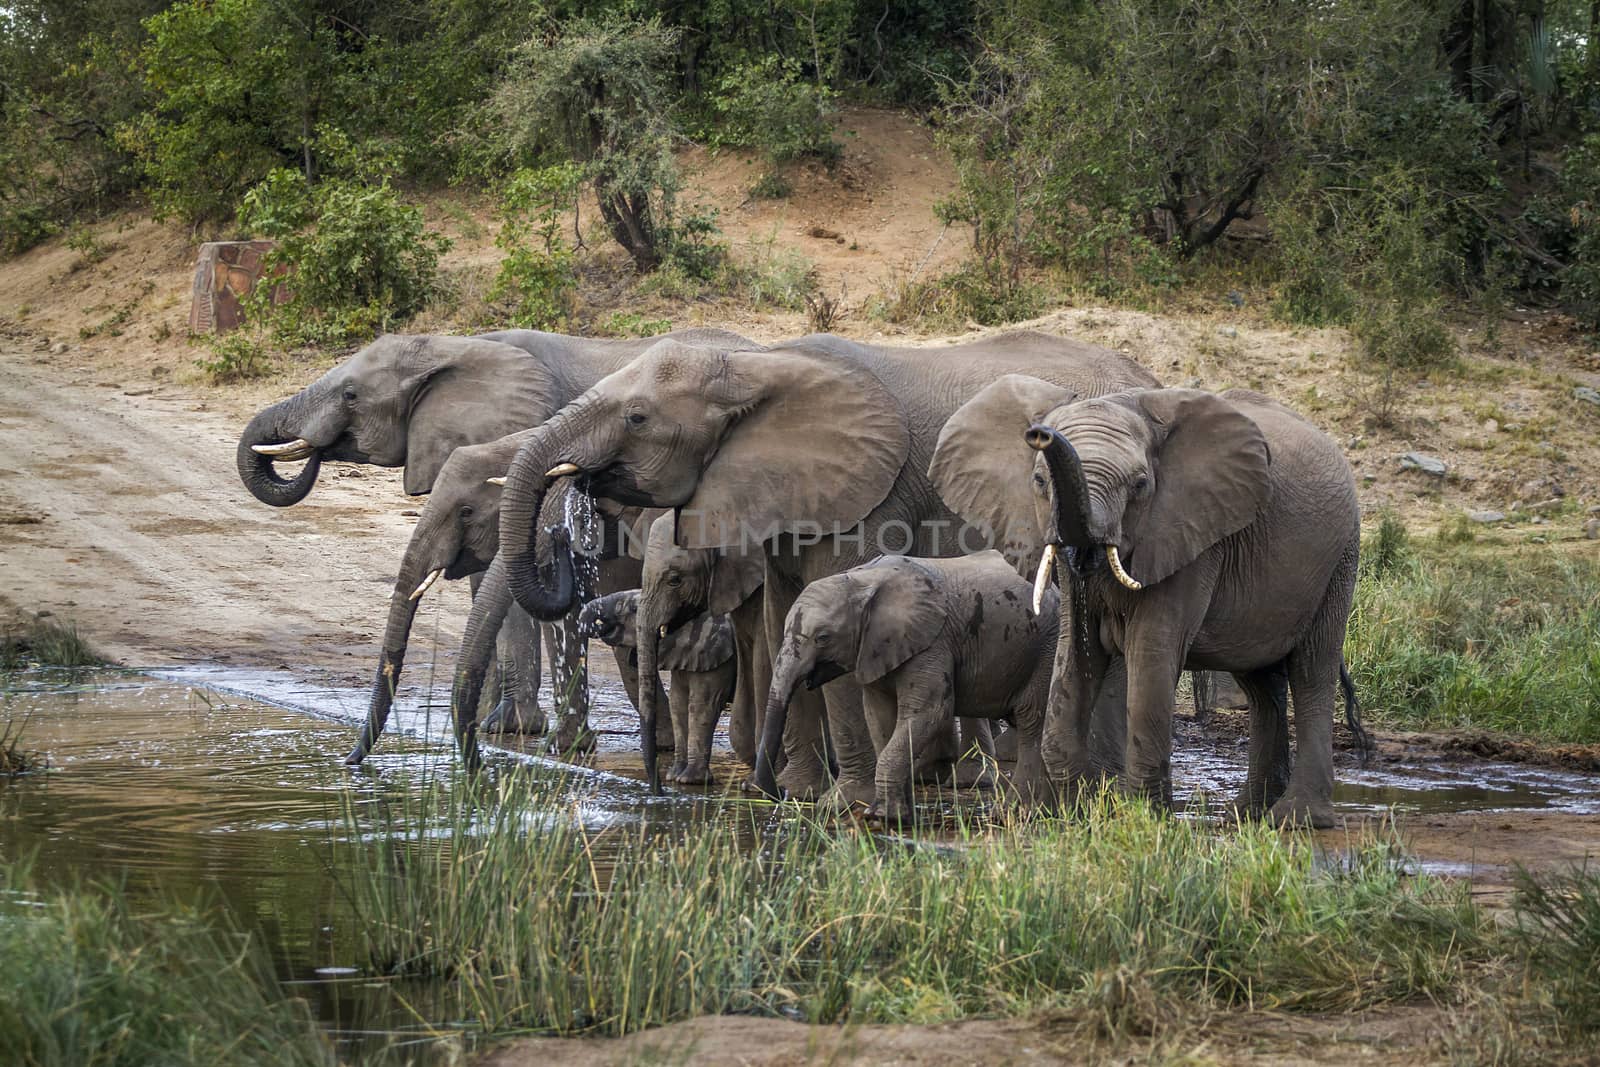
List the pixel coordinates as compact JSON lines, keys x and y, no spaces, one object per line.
{"x":410,"y":401}
{"x":802,"y":442}
{"x":699,"y":654}
{"x":680,"y":586}
{"x":1240,"y":519}
{"x":924,"y":638}
{"x":457,"y":534}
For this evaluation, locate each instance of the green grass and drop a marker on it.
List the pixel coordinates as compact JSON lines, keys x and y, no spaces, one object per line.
{"x":87,"y":980}
{"x":14,"y":759}
{"x":769,"y":912}
{"x":44,"y":642}
{"x":1460,"y":635}
{"x":1557,"y":927}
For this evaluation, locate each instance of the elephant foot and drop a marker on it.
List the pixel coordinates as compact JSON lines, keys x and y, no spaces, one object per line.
{"x":1303,"y":812}
{"x":693,"y":773}
{"x":892,"y":816}
{"x":1029,"y":789}
{"x":1158,"y":791}
{"x":803,"y":783}
{"x":508,"y":717}
{"x":846,"y":796}
{"x":976,"y":774}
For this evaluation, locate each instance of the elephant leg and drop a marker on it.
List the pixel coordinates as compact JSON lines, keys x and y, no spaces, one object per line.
{"x":851,"y":741}
{"x":753,"y":678}
{"x":710,"y":693}
{"x":1108,"y":721}
{"x":517,"y":711}
{"x":920,"y":718}
{"x":678,"y":698}
{"x":569,"y":685}
{"x":975,"y":768}
{"x":805,"y":775}
{"x":1152,"y":662}
{"x":1029,"y":782}
{"x":1270,"y":761}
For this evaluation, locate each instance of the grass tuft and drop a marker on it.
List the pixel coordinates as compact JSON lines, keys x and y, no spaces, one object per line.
{"x":767,"y":912}
{"x":47,"y":643}
{"x":86,"y":979}
{"x":1557,"y":923}
{"x":14,"y":759}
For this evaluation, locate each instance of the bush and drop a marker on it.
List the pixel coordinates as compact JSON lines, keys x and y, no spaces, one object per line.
{"x":360,"y":260}
{"x":988,"y":295}
{"x":765,"y":104}
{"x":1579,"y":195}
{"x":236,"y":356}
{"x":537,"y":272}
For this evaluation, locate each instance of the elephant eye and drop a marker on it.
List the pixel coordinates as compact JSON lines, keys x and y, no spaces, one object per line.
{"x":674,"y":580}
{"x":636,"y":418}
{"x":466,"y":511}
{"x":350,"y":396}
{"x":1038,"y":484}
{"x":1140,"y":484}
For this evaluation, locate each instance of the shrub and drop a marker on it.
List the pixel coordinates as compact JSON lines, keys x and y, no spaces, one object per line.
{"x":765,"y":104}
{"x":986,"y":294}
{"x":1580,"y":196}
{"x":360,"y":259}
{"x":44,"y":642}
{"x":235,"y":356}
{"x":537,"y":272}
{"x":1557,"y":922}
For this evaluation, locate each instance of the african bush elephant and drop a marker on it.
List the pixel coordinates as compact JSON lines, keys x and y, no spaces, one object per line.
{"x":925,"y":638}
{"x":698,"y":653}
{"x":410,"y":401}
{"x":1200,"y":530}
{"x":815,"y":450}
{"x":456,"y":536}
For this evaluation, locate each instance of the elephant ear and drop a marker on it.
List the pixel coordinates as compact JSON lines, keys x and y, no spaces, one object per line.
{"x":633,"y":526}
{"x":1211,"y":479}
{"x":737,"y":574}
{"x":904,"y":614}
{"x":984,"y":470}
{"x":814,"y":443}
{"x":701,"y":644}
{"x":468,"y":390}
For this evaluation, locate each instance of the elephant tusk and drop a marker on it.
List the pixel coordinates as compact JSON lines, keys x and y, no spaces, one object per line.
{"x":1047,"y":565}
{"x":1116,"y":568}
{"x":500,"y":481}
{"x":427,"y":583}
{"x":662,"y":632}
{"x":561,"y":470}
{"x":289,"y":451}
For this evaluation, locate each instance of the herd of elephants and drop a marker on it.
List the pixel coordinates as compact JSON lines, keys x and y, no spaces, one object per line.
{"x":830,"y":539}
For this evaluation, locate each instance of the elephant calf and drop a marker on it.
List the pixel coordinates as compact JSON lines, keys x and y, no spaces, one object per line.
{"x":923,"y":637}
{"x":700,"y":655}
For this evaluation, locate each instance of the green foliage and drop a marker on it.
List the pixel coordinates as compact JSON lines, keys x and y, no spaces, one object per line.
{"x":1577,"y":206}
{"x":537,"y":271}
{"x":358,"y":259}
{"x":601,"y":94}
{"x":236,"y":356}
{"x":85,"y":978}
{"x":44,"y":642}
{"x":982,"y":293}
{"x":1463,"y":636}
{"x":838,"y":927}
{"x":767,"y":105}
{"x":14,"y":759}
{"x":1557,"y":922}
{"x":631,"y":324}
{"x":1386,"y":549}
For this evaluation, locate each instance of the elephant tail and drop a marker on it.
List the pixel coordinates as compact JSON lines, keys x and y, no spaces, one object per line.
{"x":1352,"y":714}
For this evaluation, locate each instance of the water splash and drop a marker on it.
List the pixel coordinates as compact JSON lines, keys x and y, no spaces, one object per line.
{"x":588,"y":535}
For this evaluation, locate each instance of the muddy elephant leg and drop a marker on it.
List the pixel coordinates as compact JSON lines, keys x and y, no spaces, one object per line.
{"x":517,"y":710}
{"x":569,"y":686}
{"x":679,"y":695}
{"x":1270,"y":761}
{"x":709,"y":693}
{"x":852,"y":746}
{"x":1152,"y":662}
{"x":976,"y":766}
{"x":805,"y":747}
{"x":920,"y":718}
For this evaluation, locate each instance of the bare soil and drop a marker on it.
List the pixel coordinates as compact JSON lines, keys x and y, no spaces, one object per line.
{"x":120,"y":510}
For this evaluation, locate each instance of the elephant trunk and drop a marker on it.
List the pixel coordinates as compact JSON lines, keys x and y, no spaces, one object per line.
{"x":527,"y":483}
{"x":489,"y":609}
{"x":276,"y":426}
{"x":648,"y":635}
{"x":414,"y":578}
{"x":787,"y":674}
{"x":1071,"y":490}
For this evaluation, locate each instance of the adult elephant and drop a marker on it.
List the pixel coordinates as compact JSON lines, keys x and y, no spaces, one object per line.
{"x":815,"y":450}
{"x":1200,"y":531}
{"x":410,"y":401}
{"x":457,"y":536}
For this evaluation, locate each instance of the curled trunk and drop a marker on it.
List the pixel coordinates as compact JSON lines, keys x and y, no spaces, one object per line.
{"x":1071,"y":491}
{"x":520,"y":504}
{"x":275,"y":425}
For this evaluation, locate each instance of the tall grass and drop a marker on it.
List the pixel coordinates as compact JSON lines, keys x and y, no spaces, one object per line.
{"x":85,"y":980}
{"x":1474,"y":636}
{"x":566,"y":931}
{"x":14,"y":759}
{"x":1557,"y":924}
{"x":44,"y":642}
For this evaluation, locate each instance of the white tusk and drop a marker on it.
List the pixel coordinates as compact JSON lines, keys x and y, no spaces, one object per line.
{"x":427,"y":583}
{"x":289,"y":451}
{"x":561,"y":470}
{"x":663,"y":631}
{"x":1116,"y":568}
{"x":501,"y":481}
{"x":1047,"y":564}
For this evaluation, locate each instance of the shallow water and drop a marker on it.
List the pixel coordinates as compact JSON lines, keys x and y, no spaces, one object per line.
{"x":228,"y":785}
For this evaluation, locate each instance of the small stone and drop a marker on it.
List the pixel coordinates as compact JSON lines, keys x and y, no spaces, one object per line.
{"x":1491,"y":425}
{"x":1546,"y":505}
{"x":1487,"y":516}
{"x":1228,"y":331}
{"x":1420,"y":461}
{"x":1587,"y":395}
{"x":59,"y":348}
{"x":1591,"y":529}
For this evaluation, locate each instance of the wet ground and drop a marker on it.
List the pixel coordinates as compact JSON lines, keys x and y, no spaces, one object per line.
{"x":227,"y":784}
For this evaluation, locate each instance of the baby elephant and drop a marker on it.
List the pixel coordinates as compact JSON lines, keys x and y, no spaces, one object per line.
{"x":927,"y":639}
{"x":700,"y":655}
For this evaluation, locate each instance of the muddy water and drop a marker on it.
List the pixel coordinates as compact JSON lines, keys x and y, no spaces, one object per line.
{"x":227,"y":785}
